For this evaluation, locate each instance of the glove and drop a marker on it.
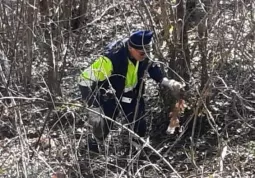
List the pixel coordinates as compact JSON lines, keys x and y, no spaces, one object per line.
{"x":175,"y":86}
{"x":108,"y":94}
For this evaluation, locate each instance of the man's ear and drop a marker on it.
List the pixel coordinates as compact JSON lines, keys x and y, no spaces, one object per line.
{"x":129,"y":48}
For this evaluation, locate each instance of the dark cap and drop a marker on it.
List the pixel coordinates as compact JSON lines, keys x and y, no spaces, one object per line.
{"x":141,"y":40}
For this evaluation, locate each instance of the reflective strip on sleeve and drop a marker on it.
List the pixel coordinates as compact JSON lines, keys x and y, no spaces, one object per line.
{"x":98,"y":71}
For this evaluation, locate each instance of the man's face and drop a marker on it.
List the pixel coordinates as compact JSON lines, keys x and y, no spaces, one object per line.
{"x":138,"y":55}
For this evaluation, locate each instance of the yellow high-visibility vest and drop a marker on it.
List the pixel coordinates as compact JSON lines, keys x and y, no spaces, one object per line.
{"x":102,"y":69}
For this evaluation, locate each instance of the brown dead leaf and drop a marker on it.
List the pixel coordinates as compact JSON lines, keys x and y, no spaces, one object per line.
{"x":58,"y":175}
{"x":174,"y":116}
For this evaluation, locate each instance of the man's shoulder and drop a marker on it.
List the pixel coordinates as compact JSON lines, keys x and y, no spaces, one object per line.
{"x":117,"y":50}
{"x":115,"y":46}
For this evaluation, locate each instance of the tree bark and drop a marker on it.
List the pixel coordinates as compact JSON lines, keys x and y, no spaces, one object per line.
{"x":29,"y":44}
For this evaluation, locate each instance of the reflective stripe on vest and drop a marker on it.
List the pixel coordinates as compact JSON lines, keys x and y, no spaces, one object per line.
{"x":131,"y":77}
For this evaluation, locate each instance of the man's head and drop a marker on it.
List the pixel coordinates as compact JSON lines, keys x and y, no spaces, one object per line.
{"x":139,"y":44}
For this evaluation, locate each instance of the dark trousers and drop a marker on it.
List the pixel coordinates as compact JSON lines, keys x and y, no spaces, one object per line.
{"x":111,"y":109}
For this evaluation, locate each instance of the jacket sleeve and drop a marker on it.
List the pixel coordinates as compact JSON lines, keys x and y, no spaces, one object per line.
{"x":98,"y":71}
{"x":155,"y":72}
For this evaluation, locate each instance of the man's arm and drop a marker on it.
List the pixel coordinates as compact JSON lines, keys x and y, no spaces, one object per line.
{"x":156,"y":74}
{"x":98,"y":71}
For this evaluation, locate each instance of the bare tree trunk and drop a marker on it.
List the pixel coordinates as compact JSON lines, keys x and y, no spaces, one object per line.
{"x":29,"y":44}
{"x":165,"y":19}
{"x":78,"y":15}
{"x":50,"y":47}
{"x":202,"y":33}
{"x":182,"y":36}
{"x":83,"y":9}
{"x":66,"y":13}
{"x":56,"y":38}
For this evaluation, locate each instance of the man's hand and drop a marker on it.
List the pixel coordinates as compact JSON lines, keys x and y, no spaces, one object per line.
{"x":176,"y":87}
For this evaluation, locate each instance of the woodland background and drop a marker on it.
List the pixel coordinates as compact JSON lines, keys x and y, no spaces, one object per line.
{"x":44,"y":44}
